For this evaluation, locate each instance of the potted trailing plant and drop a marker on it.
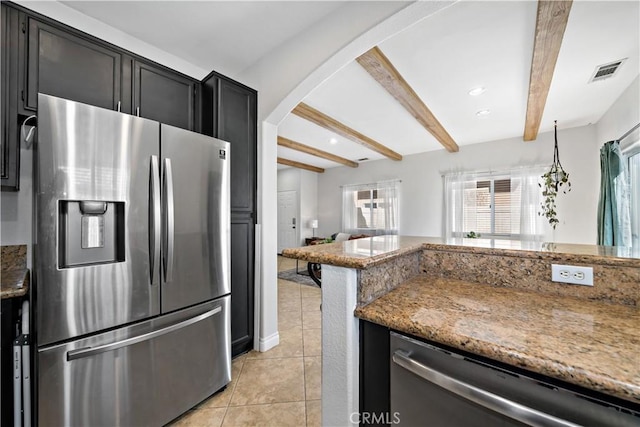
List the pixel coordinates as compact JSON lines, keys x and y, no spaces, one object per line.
{"x":553,"y":181}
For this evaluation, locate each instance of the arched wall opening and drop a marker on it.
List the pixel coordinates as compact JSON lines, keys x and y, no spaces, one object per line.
{"x":266,"y":296}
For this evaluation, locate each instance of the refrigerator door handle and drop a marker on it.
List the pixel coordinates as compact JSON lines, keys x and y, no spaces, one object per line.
{"x":92,"y":351}
{"x":154,"y":220}
{"x":169,"y":223}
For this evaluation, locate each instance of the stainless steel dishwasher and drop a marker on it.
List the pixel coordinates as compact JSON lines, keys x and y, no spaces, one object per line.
{"x":431,"y":386}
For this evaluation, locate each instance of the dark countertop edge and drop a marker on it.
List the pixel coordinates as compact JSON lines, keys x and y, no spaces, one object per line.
{"x":362,"y":262}
{"x":11,"y":288}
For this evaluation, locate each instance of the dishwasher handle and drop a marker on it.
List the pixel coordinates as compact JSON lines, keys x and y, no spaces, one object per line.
{"x":479,"y":396}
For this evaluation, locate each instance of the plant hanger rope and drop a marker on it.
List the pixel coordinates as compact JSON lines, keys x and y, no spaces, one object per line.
{"x":553,"y":180}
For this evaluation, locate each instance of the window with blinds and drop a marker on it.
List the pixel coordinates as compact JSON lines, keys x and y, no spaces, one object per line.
{"x":370,"y":208}
{"x":491,"y":207}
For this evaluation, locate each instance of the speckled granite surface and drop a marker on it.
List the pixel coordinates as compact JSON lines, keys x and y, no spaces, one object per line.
{"x":591,"y":344}
{"x":14,"y":283}
{"x":364,"y":253}
{"x":14,"y":276}
{"x":13,"y":257}
{"x":359,"y":253}
{"x":380,"y":279}
{"x":612,"y":283}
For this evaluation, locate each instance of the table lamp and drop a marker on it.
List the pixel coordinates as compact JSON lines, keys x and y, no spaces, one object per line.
{"x":313,"y":224}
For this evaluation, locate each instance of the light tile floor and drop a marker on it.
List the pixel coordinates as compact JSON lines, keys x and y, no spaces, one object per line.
{"x":280,"y":387}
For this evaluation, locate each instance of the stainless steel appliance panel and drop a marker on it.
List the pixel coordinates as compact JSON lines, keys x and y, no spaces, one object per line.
{"x":91,"y":154}
{"x":433,"y":386}
{"x":145,"y":374}
{"x":196,"y":226}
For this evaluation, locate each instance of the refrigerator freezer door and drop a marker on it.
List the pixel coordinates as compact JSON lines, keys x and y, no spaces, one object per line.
{"x":195,"y":249}
{"x":145,"y":374}
{"x":93,"y":265}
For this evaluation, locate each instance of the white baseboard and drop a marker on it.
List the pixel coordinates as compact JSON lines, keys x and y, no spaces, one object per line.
{"x":269,"y":342}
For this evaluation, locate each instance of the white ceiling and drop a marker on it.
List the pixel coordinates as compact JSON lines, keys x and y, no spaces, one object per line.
{"x":226,"y":36}
{"x":475,"y":43}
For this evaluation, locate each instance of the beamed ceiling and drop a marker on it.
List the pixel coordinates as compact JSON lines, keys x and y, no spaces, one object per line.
{"x":410,"y":93}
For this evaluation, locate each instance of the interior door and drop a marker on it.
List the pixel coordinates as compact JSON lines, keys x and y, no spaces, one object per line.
{"x":287,"y":220}
{"x":195,"y":259}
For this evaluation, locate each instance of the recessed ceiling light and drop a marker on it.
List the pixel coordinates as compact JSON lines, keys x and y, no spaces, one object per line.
{"x":477,"y":91}
{"x":333,"y":141}
{"x":482,"y":113}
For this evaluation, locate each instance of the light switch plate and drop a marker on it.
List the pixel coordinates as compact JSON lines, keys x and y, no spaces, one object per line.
{"x":572,"y":274}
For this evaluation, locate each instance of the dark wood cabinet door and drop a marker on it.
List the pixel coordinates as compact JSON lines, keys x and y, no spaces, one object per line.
{"x":10,"y":144}
{"x":69,"y":66}
{"x":164,"y":96}
{"x":236,"y":122}
{"x":242,"y":294}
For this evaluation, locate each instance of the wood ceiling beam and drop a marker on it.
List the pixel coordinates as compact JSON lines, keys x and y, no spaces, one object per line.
{"x":309,"y":113}
{"x":551,"y":22}
{"x":284,"y":142}
{"x":383,"y":71}
{"x":299,"y":165}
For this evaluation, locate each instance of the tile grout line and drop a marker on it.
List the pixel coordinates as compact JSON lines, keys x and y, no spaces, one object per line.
{"x":304,"y":366}
{"x":226,"y":408}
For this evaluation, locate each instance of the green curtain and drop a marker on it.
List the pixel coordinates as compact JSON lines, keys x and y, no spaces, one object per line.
{"x":614,"y":225}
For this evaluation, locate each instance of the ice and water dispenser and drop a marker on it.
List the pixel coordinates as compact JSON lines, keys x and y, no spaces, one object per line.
{"x":91,"y":232}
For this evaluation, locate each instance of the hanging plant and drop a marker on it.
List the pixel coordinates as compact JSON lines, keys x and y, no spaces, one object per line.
{"x":554,"y":180}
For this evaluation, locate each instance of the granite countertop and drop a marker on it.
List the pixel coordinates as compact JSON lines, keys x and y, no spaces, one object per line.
{"x":591,"y":344}
{"x":14,"y":283}
{"x":367,"y":252}
{"x":14,"y":275}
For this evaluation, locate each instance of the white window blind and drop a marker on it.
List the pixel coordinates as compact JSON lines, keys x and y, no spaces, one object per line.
{"x":497,"y":206}
{"x":370,"y":208}
{"x":634,"y":179}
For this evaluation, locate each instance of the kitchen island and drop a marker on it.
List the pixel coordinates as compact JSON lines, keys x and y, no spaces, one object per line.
{"x":490,"y":298}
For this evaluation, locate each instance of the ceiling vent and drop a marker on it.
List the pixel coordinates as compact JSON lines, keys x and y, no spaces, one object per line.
{"x":362,"y":159}
{"x":606,"y":70}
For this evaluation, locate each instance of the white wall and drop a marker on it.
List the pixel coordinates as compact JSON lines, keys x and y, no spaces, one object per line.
{"x":622,"y":116}
{"x":305,"y":183}
{"x":421,"y":203}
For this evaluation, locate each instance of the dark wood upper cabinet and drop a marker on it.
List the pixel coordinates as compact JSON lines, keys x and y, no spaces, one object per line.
{"x":9,"y":71}
{"x":163,"y":96}
{"x":69,"y":66}
{"x":236,"y":122}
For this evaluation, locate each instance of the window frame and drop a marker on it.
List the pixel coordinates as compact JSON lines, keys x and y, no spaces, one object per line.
{"x":525,"y":207}
{"x":373,"y":188}
{"x":492,"y":195}
{"x":630,"y":152}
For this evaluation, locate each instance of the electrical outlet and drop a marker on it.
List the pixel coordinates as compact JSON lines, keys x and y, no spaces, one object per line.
{"x":572,"y":274}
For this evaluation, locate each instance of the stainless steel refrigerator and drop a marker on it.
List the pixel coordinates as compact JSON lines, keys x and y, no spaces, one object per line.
{"x":132,"y":285}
